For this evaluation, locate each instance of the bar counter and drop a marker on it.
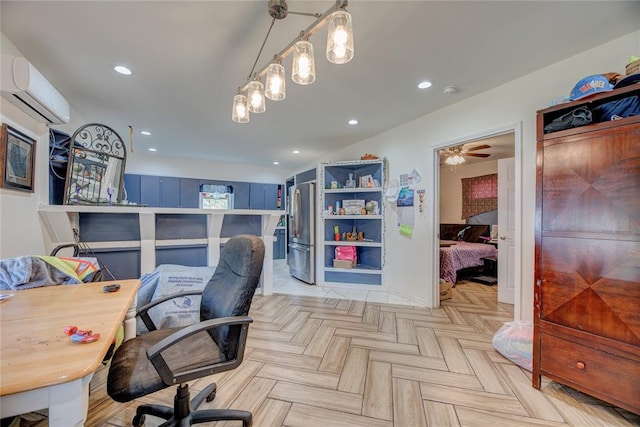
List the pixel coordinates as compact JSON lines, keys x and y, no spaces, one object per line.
{"x":143,"y":237}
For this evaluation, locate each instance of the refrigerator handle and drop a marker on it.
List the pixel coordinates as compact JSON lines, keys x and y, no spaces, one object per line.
{"x":297,"y":213}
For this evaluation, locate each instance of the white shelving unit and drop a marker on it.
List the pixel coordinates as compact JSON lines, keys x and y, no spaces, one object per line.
{"x":370,"y":251}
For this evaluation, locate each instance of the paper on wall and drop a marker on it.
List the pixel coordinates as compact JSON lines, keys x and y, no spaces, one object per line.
{"x":416,"y":176}
{"x":392,"y":191}
{"x":406,"y":230}
{"x":405,"y":216}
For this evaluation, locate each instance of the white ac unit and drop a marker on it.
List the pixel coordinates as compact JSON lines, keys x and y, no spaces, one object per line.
{"x":26,"y":88}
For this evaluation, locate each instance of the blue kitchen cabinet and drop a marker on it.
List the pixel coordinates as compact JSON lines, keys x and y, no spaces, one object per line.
{"x":241,"y":191}
{"x":271,"y":196}
{"x":132,"y":187}
{"x":169,"y":192}
{"x":279,"y":244}
{"x":150,"y":190}
{"x":264,"y":196}
{"x":189,"y":193}
{"x":256,"y":195}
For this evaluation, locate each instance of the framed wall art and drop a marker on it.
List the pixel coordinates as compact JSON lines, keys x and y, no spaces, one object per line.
{"x":17,"y":159}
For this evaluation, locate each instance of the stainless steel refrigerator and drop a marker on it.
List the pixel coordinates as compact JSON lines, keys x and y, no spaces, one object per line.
{"x":301,"y":220}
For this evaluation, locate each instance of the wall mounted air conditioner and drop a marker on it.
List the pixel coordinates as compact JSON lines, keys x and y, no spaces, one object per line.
{"x":26,"y":88}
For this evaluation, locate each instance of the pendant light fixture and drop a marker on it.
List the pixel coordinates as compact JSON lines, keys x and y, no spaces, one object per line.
{"x":340,"y":38}
{"x":255,"y":97}
{"x":304,"y":67}
{"x":251,"y":95}
{"x":275,"y":87}
{"x":240,"y":112}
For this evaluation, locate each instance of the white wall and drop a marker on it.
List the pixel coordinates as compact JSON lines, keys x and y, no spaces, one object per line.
{"x":451,"y":188}
{"x":409,"y":261}
{"x":20,"y":232}
{"x":146,"y":163}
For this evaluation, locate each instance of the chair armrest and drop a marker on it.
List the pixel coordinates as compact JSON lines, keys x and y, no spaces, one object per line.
{"x":143,"y":311}
{"x":154,"y":353}
{"x":58,"y":248}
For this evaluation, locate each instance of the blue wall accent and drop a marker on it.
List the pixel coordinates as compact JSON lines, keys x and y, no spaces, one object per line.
{"x":232,"y":225}
{"x":123,"y":263}
{"x":192,"y":256}
{"x":176,"y":226}
{"x":109,"y":227}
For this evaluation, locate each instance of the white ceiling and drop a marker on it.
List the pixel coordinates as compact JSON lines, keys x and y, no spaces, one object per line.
{"x":188,"y":59}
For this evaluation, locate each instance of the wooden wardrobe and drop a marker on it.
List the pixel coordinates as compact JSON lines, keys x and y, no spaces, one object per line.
{"x":587,"y":283}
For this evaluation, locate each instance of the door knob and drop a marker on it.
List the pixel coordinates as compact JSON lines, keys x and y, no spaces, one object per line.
{"x":503,"y":237}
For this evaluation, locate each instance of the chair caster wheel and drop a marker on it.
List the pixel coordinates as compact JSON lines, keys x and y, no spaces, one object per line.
{"x":138,"y":421}
{"x":212,"y":395}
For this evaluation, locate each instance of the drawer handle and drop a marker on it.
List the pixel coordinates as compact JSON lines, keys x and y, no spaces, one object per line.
{"x":580,"y":365}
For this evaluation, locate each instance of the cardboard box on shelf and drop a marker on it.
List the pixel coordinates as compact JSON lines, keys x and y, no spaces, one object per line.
{"x":341,"y":263}
{"x":445,"y":290}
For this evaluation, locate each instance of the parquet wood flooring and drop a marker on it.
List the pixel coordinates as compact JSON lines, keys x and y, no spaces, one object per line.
{"x":331,"y":363}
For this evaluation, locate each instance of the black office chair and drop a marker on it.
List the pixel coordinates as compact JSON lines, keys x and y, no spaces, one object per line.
{"x":166,"y":357}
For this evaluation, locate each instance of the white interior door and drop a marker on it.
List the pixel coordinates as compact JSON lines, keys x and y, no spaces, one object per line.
{"x":506,"y":229}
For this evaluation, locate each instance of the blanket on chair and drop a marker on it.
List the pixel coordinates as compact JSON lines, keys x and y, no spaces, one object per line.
{"x":26,"y":272}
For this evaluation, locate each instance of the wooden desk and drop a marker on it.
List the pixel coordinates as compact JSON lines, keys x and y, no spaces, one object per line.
{"x":39,"y":365}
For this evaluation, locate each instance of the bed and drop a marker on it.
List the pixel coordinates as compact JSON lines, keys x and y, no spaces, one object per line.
{"x":463,"y":255}
{"x":456,"y":254}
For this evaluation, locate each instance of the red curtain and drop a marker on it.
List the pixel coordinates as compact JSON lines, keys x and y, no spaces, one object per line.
{"x":479,"y":194}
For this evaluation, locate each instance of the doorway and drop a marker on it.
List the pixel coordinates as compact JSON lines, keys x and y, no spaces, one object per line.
{"x":481,"y":153}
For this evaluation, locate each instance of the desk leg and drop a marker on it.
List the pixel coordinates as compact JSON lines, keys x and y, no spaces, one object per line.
{"x":130,"y":321}
{"x":69,"y":403}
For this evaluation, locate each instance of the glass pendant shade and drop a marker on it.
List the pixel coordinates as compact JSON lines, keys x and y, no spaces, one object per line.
{"x":454,"y":160}
{"x":304,"y":67}
{"x":340,"y":38}
{"x":255,"y":96}
{"x":240,"y":113}
{"x":275,"y":83}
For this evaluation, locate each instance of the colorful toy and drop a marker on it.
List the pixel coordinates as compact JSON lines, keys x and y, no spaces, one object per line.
{"x":79,"y":335}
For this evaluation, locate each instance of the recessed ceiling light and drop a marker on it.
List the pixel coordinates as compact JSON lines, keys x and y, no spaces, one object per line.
{"x":276,"y":163}
{"x":296,"y":151}
{"x":424,"y":85}
{"x":122,"y":70}
{"x":353,"y":122}
{"x":145,"y":132}
{"x":153,"y":149}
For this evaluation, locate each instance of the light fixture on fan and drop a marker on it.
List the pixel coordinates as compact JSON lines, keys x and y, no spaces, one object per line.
{"x":456,"y":155}
{"x":250,"y":97}
{"x":455,"y":160}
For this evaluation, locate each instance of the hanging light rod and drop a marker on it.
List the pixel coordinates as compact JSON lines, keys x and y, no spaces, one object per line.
{"x":339,"y":51}
{"x":311,"y":30}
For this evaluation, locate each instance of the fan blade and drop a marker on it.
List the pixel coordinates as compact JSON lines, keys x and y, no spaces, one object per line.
{"x":476,"y":155}
{"x":479,"y":147}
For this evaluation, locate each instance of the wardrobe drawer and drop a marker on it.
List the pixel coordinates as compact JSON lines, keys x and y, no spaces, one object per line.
{"x":596,"y":372}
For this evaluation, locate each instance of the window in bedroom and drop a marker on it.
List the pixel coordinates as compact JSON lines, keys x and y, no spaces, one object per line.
{"x":479,"y":194}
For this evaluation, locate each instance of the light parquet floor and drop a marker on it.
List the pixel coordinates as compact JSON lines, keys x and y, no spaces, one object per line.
{"x":332,"y":362}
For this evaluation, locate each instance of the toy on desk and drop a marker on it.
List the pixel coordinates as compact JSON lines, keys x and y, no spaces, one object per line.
{"x":79,"y":335}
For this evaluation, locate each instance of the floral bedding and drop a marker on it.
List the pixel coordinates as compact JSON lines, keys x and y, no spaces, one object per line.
{"x":463,"y":255}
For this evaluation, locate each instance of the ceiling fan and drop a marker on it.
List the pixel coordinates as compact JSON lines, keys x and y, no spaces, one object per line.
{"x":456,"y":155}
